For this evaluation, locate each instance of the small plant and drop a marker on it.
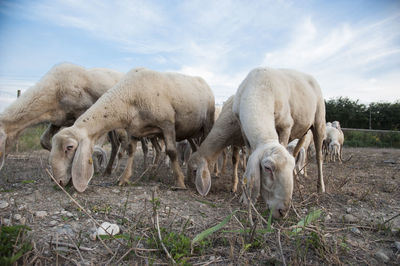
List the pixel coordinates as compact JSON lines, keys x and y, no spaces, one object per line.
{"x":178,"y":245}
{"x":13,"y":243}
{"x":27,"y":181}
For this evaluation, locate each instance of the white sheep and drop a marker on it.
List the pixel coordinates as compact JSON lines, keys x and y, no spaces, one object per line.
{"x":273,"y":107}
{"x":60,"y":97}
{"x":304,"y":154}
{"x":336,"y":125}
{"x":334,"y":141}
{"x":146,"y":103}
{"x":300,"y":158}
{"x":225,"y":132}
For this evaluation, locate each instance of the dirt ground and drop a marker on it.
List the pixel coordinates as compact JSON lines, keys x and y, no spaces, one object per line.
{"x":359,"y":222}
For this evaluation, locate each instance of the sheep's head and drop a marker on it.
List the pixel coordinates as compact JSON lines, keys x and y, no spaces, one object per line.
{"x":71,"y":157}
{"x":336,"y":124}
{"x":270,"y":170}
{"x":197,"y":169}
{"x":3,"y":142}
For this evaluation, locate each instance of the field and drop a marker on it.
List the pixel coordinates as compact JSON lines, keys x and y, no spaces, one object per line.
{"x":355,"y":222}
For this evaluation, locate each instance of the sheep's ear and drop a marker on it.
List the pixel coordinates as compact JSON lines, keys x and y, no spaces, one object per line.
{"x":252,"y":174}
{"x":203,"y":179}
{"x":82,"y":166}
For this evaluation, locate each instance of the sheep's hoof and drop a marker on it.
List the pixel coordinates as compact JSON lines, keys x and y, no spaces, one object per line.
{"x":123,"y":183}
{"x":178,"y":188}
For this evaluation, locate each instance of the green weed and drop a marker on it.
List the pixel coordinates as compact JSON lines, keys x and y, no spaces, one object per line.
{"x":13,"y":243}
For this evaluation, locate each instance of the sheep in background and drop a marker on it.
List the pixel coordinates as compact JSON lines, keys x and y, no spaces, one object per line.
{"x":60,"y":97}
{"x":225,"y":132}
{"x":273,"y":107}
{"x":146,"y":103}
{"x":334,"y":142}
{"x":300,"y":159}
{"x":336,"y":125}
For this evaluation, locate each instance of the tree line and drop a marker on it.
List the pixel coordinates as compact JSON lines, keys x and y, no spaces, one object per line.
{"x":353,"y":114}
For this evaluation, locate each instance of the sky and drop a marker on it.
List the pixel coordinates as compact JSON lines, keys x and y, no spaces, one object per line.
{"x":352,"y":47}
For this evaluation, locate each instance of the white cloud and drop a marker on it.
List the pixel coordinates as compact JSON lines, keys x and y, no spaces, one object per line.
{"x":344,"y":57}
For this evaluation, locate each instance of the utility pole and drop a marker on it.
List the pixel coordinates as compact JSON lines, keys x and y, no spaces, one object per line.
{"x":18,"y":94}
{"x":370,"y":118}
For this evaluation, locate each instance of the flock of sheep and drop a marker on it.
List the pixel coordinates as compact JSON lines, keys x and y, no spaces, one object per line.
{"x":270,"y":108}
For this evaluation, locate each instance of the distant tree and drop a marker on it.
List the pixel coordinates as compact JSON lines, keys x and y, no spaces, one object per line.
{"x":353,"y":114}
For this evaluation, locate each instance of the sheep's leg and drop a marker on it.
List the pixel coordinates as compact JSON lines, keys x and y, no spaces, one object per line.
{"x":244,"y":158}
{"x":319,"y":132}
{"x":45,"y":139}
{"x":224,"y":161}
{"x":235,"y":162}
{"x":340,"y":153}
{"x":112,"y":136}
{"x":124,"y":179}
{"x":157,"y":148}
{"x":145,"y":150}
{"x":193,"y":145}
{"x":216,"y":166}
{"x":170,"y":148}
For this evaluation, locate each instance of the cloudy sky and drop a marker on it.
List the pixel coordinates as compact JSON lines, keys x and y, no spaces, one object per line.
{"x":351,"y":47}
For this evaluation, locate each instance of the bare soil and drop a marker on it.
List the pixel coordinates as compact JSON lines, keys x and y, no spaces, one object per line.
{"x":359,"y":224}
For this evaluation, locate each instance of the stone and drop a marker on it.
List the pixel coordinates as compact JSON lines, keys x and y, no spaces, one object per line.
{"x":3,"y":204}
{"x":112,"y":229}
{"x":65,"y":229}
{"x":53,"y":223}
{"x":348,"y":210}
{"x":116,"y":191}
{"x":7,"y":221}
{"x":17,"y":217}
{"x":397,"y":245}
{"x":69,"y":214}
{"x":355,"y":230}
{"x":41,"y":214}
{"x":348,"y":218}
{"x":381,"y":256}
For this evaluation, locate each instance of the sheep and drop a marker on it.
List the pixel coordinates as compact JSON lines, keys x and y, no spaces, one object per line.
{"x":145,"y":103}
{"x":60,"y":97}
{"x":226,"y":131}
{"x":275,"y":106}
{"x":334,"y":142}
{"x":336,"y":125}
{"x":304,"y":153}
{"x":184,"y":151}
{"x":300,"y":159}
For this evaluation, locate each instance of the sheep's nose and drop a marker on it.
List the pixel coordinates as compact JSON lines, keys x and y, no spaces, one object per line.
{"x":61,"y":183}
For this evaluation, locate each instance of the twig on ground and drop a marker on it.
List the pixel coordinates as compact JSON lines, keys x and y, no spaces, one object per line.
{"x":280,"y":247}
{"x":84,"y":210}
{"x":397,"y":215}
{"x":77,"y":249}
{"x":157,"y":225}
{"x":70,"y":246}
{"x":115,"y":254}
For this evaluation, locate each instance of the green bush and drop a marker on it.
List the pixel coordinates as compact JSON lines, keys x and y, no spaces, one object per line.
{"x":13,"y":243}
{"x":372,"y":139}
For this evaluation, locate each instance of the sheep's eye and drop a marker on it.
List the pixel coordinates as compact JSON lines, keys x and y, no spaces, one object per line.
{"x":69,"y":147}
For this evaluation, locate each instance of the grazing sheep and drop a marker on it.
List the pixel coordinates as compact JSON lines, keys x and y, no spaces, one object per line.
{"x":60,"y":97}
{"x":275,"y":106}
{"x":184,"y":151}
{"x":304,"y":154}
{"x":300,"y":158}
{"x":145,"y":103}
{"x":225,"y":132}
